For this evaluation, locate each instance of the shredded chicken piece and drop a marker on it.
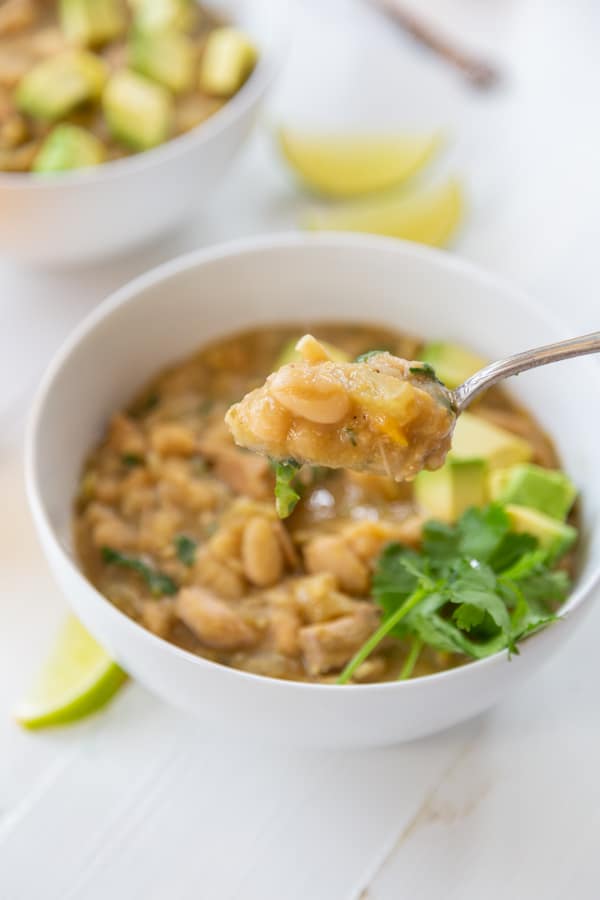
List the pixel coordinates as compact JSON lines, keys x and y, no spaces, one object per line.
{"x":220,"y":577}
{"x":109,"y":530}
{"x":212,"y":620}
{"x":244,"y":473}
{"x":172,"y":439}
{"x":285,"y":628}
{"x":367,"y":539}
{"x":16,"y":15}
{"x":330,"y":645}
{"x":158,"y":617}
{"x":319,"y":600}
{"x":330,"y":553}
{"x":125,"y":436}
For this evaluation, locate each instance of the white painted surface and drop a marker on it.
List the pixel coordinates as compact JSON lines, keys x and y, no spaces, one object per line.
{"x":138,"y":802}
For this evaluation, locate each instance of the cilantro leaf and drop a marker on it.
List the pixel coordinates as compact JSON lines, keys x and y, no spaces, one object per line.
{"x":185,"y":548}
{"x":398,"y":571}
{"x":473,"y":589}
{"x":444,"y":635}
{"x":545,"y":586}
{"x":425,"y":370}
{"x":512,"y":550}
{"x":286,"y":496}
{"x":469,"y":616}
{"x":481,"y":531}
{"x":440,"y":542}
{"x":132,"y":459}
{"x":527,"y":564}
{"x":529,"y":616}
{"x":396,"y":578}
{"x":363,"y":357}
{"x":158,"y":582}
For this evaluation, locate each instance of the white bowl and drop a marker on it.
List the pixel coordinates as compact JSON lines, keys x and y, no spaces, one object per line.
{"x":169,"y":312}
{"x":75,"y":217}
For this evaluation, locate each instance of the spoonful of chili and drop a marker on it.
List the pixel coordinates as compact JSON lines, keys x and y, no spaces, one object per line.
{"x":381,"y":414}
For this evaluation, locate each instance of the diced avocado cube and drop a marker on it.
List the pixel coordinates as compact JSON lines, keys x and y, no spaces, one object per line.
{"x":92,"y":22}
{"x":56,"y":86}
{"x":474,"y":438}
{"x":547,"y":490}
{"x":162,"y":15}
{"x":452,"y":364}
{"x":227,"y":61}
{"x":289,"y":353}
{"x":138,"y":111}
{"x":446,"y":493}
{"x":554,"y":536}
{"x":69,"y":147}
{"x":164,"y":56}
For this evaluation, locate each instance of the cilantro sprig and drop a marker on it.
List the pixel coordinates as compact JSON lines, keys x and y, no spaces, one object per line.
{"x":185,"y":548}
{"x":158,"y":582}
{"x":286,"y":495}
{"x":474,"y":588}
{"x":425,"y":370}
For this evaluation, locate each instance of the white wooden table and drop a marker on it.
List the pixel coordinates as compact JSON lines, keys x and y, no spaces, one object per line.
{"x":139,"y":802}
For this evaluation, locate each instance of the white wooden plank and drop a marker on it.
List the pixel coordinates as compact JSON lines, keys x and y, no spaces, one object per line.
{"x":151,"y":802}
{"x":522,"y":808}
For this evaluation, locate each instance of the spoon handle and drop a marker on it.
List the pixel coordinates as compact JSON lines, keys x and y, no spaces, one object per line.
{"x":530,"y":359}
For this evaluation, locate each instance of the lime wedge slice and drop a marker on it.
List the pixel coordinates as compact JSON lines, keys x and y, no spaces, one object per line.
{"x":352,"y":165}
{"x":77,"y":678}
{"x":427,"y":217}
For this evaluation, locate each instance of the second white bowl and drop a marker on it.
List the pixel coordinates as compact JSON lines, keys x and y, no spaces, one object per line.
{"x":76,"y":217}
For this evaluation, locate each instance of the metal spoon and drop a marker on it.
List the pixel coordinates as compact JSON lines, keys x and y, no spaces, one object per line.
{"x":521,"y":362}
{"x":478,"y":72}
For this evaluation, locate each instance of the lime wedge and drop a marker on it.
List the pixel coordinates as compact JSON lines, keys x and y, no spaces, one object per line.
{"x":352,"y":165}
{"x":427,"y":217}
{"x":77,"y":678}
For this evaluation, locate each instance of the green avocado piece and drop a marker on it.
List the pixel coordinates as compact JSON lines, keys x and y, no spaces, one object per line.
{"x":92,"y":22}
{"x":161,"y":15}
{"x":475,"y":438}
{"x":56,"y":86}
{"x":547,"y":490}
{"x":164,"y":56}
{"x":289,"y":354}
{"x":228,"y":59}
{"x":138,"y":112}
{"x":452,"y":364}
{"x":69,"y":147}
{"x":447,"y":492}
{"x":554,"y":536}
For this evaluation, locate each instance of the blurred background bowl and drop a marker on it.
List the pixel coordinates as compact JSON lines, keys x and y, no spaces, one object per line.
{"x":77,"y":217}
{"x":169,"y":313}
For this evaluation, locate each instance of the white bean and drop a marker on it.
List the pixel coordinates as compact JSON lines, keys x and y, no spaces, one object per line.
{"x":316,"y":396}
{"x":262,"y":557}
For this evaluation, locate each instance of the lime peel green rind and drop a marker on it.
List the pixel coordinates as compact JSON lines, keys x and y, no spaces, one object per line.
{"x":77,"y":679}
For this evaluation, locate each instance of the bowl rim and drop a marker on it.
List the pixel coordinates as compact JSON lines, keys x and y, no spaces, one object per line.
{"x":249,"y":246}
{"x":248,"y":95}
